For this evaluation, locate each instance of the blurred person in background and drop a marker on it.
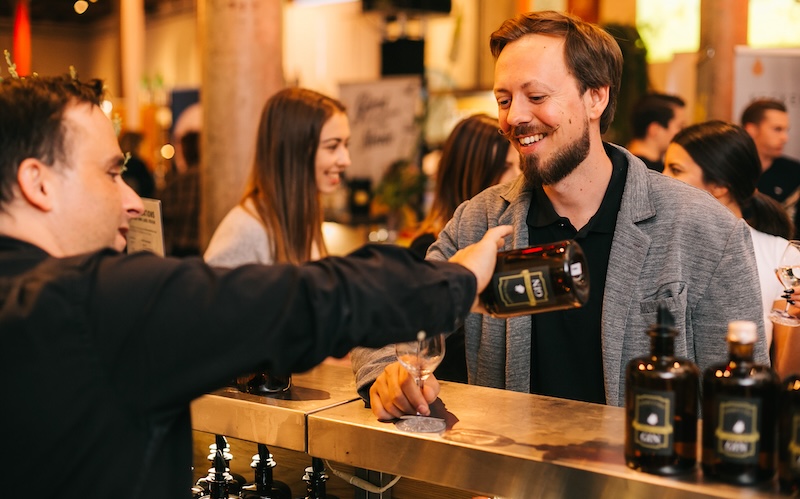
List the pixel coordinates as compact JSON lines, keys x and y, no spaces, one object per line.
{"x":301,"y":152}
{"x":721,"y":159}
{"x":136,"y":173}
{"x":767,"y":122}
{"x":180,"y":202}
{"x":655,"y":119}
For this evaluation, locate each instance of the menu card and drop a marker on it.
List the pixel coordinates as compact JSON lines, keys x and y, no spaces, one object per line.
{"x":146,"y":233}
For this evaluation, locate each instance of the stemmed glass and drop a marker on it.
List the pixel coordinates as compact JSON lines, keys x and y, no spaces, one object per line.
{"x":420,"y":358}
{"x":788,"y":273}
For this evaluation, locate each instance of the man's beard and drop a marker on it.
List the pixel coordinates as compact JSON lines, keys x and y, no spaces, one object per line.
{"x":562,"y":164}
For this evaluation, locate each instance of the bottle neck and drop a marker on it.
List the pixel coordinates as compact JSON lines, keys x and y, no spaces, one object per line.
{"x":662,"y":345}
{"x":740,"y":352}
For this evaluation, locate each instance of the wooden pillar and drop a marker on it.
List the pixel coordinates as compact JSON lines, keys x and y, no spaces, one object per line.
{"x":242,"y":66}
{"x":723,"y":25}
{"x":131,"y":36}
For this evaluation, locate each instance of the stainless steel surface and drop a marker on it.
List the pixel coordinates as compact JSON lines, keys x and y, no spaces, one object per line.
{"x":278,"y":419}
{"x":508,"y":444}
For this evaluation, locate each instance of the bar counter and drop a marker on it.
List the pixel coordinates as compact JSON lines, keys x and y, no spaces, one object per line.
{"x":497,"y":442}
{"x":276,"y":419}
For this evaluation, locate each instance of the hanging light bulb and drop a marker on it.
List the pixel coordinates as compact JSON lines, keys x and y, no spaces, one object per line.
{"x":81,"y":6}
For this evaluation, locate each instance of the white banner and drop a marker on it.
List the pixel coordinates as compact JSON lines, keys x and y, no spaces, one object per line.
{"x":773,"y":73}
{"x":383,"y":123}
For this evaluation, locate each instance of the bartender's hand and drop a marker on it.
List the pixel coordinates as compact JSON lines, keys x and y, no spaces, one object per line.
{"x":481,"y":257}
{"x":395,"y":394}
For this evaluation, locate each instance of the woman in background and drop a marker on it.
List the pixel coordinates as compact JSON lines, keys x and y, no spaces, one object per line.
{"x":301,"y":152}
{"x":474,"y":157}
{"x":722,"y":159}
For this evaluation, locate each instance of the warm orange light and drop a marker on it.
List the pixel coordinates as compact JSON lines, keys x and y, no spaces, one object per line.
{"x":167,"y":151}
{"x":22,"y":39}
{"x":81,"y":6}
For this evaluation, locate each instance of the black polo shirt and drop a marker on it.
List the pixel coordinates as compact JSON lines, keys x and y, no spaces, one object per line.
{"x":566,"y":357}
{"x":781,"y":179}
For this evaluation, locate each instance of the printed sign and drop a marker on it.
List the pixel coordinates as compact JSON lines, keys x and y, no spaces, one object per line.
{"x":146,"y":233}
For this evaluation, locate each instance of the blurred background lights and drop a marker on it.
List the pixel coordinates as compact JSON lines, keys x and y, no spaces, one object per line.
{"x":167,"y":151}
{"x":81,"y":6}
{"x":107,"y":107}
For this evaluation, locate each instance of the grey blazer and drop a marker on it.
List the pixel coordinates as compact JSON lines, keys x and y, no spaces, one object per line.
{"x":673,"y":244}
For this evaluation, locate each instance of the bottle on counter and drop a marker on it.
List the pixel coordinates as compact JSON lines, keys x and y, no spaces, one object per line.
{"x":789,"y":435}
{"x":740,"y":413}
{"x":552,"y":276}
{"x":265,"y":486}
{"x":661,"y":405}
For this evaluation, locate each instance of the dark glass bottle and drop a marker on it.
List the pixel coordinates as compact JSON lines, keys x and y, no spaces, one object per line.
{"x":740,"y":413}
{"x":552,"y":276}
{"x":661,"y":403}
{"x":789,"y":435}
{"x":264,"y":485}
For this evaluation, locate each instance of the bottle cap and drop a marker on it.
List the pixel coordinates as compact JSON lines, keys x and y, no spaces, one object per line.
{"x":742,"y":332}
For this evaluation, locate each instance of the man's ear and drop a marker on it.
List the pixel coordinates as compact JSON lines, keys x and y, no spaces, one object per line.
{"x":598,"y":102}
{"x":34,"y":179}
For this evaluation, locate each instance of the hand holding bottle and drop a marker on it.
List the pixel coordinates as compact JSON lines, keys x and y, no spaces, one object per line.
{"x":481,"y":256}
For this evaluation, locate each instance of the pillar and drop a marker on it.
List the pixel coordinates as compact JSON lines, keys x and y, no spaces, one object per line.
{"x":242,"y":66}
{"x":723,"y":25}
{"x":131,"y":37}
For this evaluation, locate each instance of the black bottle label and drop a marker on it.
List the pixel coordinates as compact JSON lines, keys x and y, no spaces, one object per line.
{"x":794,"y":443}
{"x":738,"y":432}
{"x":654,"y":412}
{"x":526,"y":288}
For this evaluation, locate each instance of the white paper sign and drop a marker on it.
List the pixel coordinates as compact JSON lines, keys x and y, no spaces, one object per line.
{"x":772,"y":73}
{"x":383,"y":123}
{"x":146,"y":233}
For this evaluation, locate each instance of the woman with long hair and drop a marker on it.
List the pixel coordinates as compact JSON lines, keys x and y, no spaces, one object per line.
{"x":721,"y":158}
{"x":474,"y":156}
{"x":301,"y":152}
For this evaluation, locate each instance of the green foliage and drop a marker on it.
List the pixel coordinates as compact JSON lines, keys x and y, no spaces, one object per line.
{"x":402,"y":185}
{"x":635,"y":80}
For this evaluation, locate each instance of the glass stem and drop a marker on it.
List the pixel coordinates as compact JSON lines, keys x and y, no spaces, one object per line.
{"x":421,"y":385}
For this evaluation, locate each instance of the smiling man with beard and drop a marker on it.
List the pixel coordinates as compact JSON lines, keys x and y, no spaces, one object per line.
{"x":649,"y":241}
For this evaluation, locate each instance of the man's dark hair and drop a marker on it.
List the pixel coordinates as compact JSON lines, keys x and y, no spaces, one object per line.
{"x":653,"y":108}
{"x":754,"y":112}
{"x":592,"y":55}
{"x":31,"y":121}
